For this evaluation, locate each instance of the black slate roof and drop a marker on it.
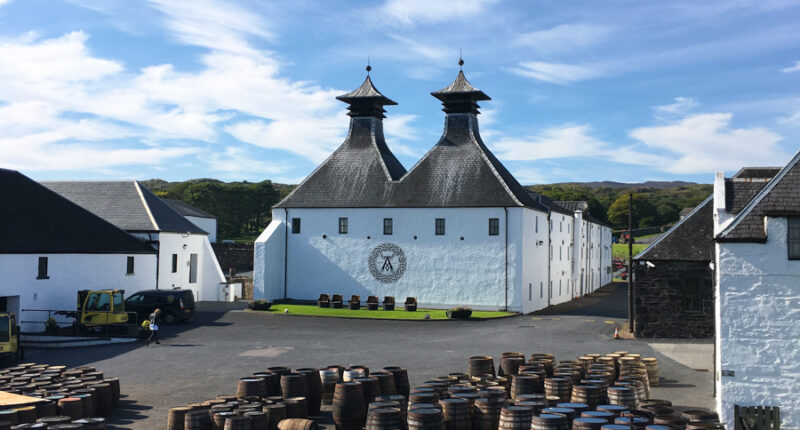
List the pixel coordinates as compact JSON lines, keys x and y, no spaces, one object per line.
{"x":757,"y":173}
{"x":550,"y":203}
{"x":779,"y":198}
{"x":186,"y":209}
{"x":36,"y":220}
{"x":574,"y":205}
{"x":738,"y":194}
{"x":691,"y":239}
{"x":126,"y":204}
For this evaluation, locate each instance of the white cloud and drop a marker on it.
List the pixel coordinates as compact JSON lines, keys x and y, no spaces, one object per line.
{"x":565,"y":141}
{"x":310,"y":138}
{"x":3,"y":2}
{"x":556,"y":73}
{"x":792,"y":119}
{"x":792,"y":69}
{"x":681,"y":107}
{"x":706,"y":143}
{"x":412,"y":11}
{"x":236,"y":163}
{"x":564,"y":37}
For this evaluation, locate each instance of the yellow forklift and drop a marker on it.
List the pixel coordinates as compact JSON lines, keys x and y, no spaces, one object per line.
{"x":99,"y":309}
{"x":10,"y":349}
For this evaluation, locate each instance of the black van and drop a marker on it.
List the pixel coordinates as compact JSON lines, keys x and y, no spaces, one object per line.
{"x":176,"y":305}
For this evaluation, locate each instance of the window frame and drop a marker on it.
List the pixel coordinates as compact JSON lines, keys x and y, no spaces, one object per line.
{"x":691,"y":293}
{"x":440,"y":227}
{"x":130,"y":265}
{"x":343,"y":225}
{"x":494,"y":226}
{"x":174,"y":263}
{"x":296,"y":225}
{"x":388,"y":226}
{"x":793,"y":228}
{"x":42,"y":268}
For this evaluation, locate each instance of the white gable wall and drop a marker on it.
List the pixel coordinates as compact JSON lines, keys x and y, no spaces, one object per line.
{"x":209,"y":225}
{"x":534,"y":233}
{"x":67,"y":274}
{"x":758,"y":326}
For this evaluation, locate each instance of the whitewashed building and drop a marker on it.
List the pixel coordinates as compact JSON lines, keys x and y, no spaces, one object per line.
{"x":196,"y":216}
{"x":757,"y":227}
{"x":50,"y":248}
{"x":455,"y":229}
{"x":186,"y":259}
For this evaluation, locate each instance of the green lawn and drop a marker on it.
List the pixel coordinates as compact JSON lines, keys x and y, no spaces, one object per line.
{"x":620,"y":250}
{"x":398,"y":313}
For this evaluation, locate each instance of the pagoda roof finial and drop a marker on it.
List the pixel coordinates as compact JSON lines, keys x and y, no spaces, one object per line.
{"x":366,"y":100}
{"x":460,"y":96}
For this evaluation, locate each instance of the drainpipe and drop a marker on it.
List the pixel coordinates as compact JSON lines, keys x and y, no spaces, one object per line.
{"x":506,"y":226}
{"x":157,"y":244}
{"x":285,"y":251}
{"x":549,"y":257}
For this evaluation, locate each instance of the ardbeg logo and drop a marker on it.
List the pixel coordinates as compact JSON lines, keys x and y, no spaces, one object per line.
{"x":387,"y":262}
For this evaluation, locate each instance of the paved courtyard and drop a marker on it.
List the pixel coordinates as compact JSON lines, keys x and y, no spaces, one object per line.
{"x":204,"y":358}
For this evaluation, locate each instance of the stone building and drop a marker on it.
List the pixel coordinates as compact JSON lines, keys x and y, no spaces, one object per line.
{"x":455,"y":229}
{"x":673,"y":279}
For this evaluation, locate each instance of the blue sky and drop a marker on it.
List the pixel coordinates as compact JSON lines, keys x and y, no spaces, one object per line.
{"x":244,"y":90}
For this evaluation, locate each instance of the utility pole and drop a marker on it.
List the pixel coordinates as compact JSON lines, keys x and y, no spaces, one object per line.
{"x":630,"y":262}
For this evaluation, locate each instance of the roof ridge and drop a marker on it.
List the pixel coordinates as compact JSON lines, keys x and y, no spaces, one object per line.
{"x":146,"y":206}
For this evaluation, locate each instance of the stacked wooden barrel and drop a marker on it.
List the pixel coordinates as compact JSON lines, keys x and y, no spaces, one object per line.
{"x":80,"y":395}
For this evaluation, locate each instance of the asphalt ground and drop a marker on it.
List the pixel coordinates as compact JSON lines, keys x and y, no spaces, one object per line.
{"x":205,"y":357}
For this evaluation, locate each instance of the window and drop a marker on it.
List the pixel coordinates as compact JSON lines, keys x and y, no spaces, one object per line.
{"x":793,"y":241}
{"x":42,"y":268}
{"x":537,"y":224}
{"x":530,"y":292}
{"x":440,"y":226}
{"x":387,"y":226}
{"x":174,"y":263}
{"x":551,"y":252}
{"x":193,"y":267}
{"x":561,"y":226}
{"x":541,"y":289}
{"x":691,"y":292}
{"x":559,"y":287}
{"x":494,"y":226}
{"x":560,"y":253}
{"x":295,"y":225}
{"x":342,"y":225}
{"x":129,"y":270}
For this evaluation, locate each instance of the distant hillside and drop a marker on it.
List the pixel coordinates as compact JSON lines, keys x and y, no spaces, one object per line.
{"x":661,"y":185}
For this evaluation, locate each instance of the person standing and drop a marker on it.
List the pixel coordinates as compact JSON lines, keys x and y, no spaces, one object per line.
{"x":155,"y":321}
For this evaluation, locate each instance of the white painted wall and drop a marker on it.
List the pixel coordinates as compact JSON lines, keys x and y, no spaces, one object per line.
{"x":535,"y":236}
{"x":209,"y":275}
{"x":269,"y":259}
{"x":69,"y":273}
{"x":758,"y":326}
{"x":208,"y":225}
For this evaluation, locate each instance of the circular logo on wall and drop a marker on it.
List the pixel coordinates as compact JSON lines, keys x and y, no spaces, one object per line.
{"x":387,"y":262}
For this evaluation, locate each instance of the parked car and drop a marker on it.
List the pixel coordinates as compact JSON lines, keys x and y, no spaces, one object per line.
{"x":176,"y":305}
{"x":617,"y":263}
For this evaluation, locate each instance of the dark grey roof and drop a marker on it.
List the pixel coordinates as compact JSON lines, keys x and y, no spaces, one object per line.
{"x":366,"y":91}
{"x":186,"y":209}
{"x":779,"y":198}
{"x":757,"y":173}
{"x":126,"y":204}
{"x":550,"y":203}
{"x":460,"y":86}
{"x":691,"y":239}
{"x":738,"y":194}
{"x":36,"y":220}
{"x":574,"y":206}
{"x":686,"y":211}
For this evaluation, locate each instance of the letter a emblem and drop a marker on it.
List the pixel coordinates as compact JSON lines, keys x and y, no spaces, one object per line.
{"x":387,"y":264}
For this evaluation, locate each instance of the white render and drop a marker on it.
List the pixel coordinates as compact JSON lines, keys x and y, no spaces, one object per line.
{"x":67,"y":274}
{"x":210,"y":278}
{"x":442,"y":271}
{"x":208,"y":225}
{"x":757,"y":300}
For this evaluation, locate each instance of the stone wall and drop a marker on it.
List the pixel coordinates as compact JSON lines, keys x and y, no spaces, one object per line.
{"x":238,"y":256}
{"x":659,"y":293}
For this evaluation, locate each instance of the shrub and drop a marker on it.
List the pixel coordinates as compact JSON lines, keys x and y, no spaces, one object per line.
{"x":260,"y":305}
{"x":51,"y":326}
{"x":459,"y":312}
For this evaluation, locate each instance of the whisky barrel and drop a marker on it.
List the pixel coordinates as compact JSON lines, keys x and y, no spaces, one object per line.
{"x":535,"y":405}
{"x":314,"y":383}
{"x":384,"y":419}
{"x":637,"y":423}
{"x":294,"y":385}
{"x":352,"y":374}
{"x":651,"y":364}
{"x":615,"y":427}
{"x":104,"y":399}
{"x":69,"y":406}
{"x":94,"y":423}
{"x":588,"y":394}
{"x":623,"y":396}
{"x":425,"y":419}
{"x":515,"y":418}
{"x":297,"y":424}
{"x":576,"y":406}
{"x":674,"y":421}
{"x":525,"y":384}
{"x":558,"y":387}
{"x":116,"y":392}
{"x":349,"y":408}
{"x":175,"y":417}
{"x":219,"y":418}
{"x":400,"y":379}
{"x":608,"y":416}
{"x":456,"y":413}
{"x":617,"y":410}
{"x":87,"y":404}
{"x":549,"y":422}
{"x":46,"y":409}
{"x":275,"y":414}
{"x":296,"y":407}
{"x":487,"y":413}
{"x":401,"y":401}
{"x":423,"y":397}
{"x":237,"y":423}
{"x":196,"y":420}
{"x":258,"y":420}
{"x":329,"y":377}
{"x":251,"y":386}
{"x":280,"y":370}
{"x":370,"y":387}
{"x":588,"y":423}
{"x":699,"y":415}
{"x":481,"y":365}
{"x":509,"y":365}
{"x":567,"y":412}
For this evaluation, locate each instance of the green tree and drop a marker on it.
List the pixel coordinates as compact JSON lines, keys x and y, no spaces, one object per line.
{"x":643,"y":211}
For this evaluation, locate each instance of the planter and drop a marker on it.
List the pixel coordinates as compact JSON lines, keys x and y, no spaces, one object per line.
{"x":459,"y":313}
{"x":354,"y":306}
